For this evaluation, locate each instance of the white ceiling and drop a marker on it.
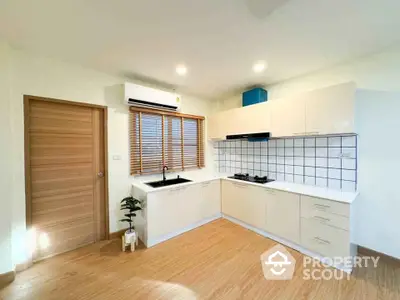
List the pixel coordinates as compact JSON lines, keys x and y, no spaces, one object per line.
{"x":218,"y":40}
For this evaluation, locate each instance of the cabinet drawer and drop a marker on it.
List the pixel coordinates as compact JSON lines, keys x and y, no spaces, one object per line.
{"x":311,"y":204}
{"x":325,"y":240}
{"x":325,"y":218}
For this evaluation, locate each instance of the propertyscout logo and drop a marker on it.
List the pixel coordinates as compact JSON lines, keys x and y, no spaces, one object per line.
{"x":278,"y":264}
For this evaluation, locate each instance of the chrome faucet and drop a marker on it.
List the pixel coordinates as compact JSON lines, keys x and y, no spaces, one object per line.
{"x":163,"y":172}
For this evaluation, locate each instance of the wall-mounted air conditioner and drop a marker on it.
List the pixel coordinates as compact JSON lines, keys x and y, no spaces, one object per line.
{"x":140,"y":96}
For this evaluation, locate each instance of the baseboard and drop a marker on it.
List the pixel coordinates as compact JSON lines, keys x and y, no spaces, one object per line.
{"x":153,"y":242}
{"x":286,"y":243}
{"x":6,"y":278}
{"x":387,"y":258}
{"x":117,"y":234}
{"x":23,"y":266}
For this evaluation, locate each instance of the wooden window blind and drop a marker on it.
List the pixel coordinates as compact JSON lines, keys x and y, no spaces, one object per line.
{"x":159,"y":138}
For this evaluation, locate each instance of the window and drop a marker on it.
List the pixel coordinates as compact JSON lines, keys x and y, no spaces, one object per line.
{"x":159,"y":138}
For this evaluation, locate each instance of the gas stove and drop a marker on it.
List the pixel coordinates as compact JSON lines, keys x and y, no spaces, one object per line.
{"x":255,"y":179}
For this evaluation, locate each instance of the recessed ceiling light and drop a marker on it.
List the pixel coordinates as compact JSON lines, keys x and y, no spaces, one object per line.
{"x":181,"y":70}
{"x":259,"y":67}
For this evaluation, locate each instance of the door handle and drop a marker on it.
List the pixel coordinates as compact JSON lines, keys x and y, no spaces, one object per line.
{"x":100,"y":174}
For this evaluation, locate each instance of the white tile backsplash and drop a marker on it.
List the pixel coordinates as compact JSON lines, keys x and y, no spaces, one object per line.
{"x":321,"y":152}
{"x":289,"y":143}
{"x":334,"y":173}
{"x":309,"y":142}
{"x":349,"y":141}
{"x":299,"y":143}
{"x":309,"y":162}
{"x":349,"y":164}
{"x":321,"y":142}
{"x":321,"y":172}
{"x":334,"y":163}
{"x":334,"y":141}
{"x":298,"y":170}
{"x":298,"y":151}
{"x":349,"y":175}
{"x":309,"y":171}
{"x":323,"y":161}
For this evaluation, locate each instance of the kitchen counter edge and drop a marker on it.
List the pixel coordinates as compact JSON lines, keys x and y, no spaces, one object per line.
{"x":295,"y":188}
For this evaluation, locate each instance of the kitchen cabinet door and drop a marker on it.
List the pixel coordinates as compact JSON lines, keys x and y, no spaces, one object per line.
{"x":210,"y":192}
{"x":283,"y":215}
{"x":331,"y":110}
{"x":164,"y":213}
{"x":232,"y":204}
{"x":288,"y":116}
{"x":191,"y":205}
{"x":254,"y":212}
{"x":253,"y":118}
{"x":215,"y":130}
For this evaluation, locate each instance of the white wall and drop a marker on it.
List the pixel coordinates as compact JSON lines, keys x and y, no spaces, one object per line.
{"x":6,"y":196}
{"x":34,"y":75}
{"x":376,"y":72}
{"x":377,"y":209}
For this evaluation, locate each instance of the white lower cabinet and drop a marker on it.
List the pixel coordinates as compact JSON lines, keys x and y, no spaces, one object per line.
{"x":314,"y":224}
{"x":325,"y":240}
{"x":244,"y":203}
{"x":163,"y":213}
{"x":170,"y":211}
{"x":283,"y":215}
{"x":325,"y":227}
{"x":210,"y":193}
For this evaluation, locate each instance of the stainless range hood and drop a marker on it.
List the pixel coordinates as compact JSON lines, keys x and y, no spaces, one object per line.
{"x":259,"y":135}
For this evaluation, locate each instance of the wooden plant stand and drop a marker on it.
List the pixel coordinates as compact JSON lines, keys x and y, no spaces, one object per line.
{"x":134,"y":242}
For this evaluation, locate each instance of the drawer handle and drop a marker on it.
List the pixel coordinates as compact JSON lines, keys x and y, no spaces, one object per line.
{"x":322,"y":218}
{"x":322,"y":241}
{"x":321,"y":206}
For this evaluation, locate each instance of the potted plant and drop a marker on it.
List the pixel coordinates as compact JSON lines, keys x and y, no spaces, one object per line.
{"x":132,"y":205}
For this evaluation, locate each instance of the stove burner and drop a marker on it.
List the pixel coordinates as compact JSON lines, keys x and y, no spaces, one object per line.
{"x":246,"y":177}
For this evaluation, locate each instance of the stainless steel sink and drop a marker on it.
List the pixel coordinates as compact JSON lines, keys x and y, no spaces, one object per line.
{"x":168,"y":182}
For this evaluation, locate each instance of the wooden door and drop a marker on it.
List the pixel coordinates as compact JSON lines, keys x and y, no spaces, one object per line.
{"x":65,"y":159}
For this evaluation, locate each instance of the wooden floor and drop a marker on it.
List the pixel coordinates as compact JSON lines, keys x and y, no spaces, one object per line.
{"x":219,"y":260}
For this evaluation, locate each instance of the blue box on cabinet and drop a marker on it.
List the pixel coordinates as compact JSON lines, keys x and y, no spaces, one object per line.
{"x":254,"y":96}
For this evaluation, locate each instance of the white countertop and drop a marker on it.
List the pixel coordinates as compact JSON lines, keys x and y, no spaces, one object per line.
{"x":302,"y":189}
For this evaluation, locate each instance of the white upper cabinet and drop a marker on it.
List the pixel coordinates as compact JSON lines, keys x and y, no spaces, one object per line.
{"x":215,"y":127}
{"x":288,"y":116}
{"x":331,"y":110}
{"x":253,"y":118}
{"x":325,"y":111}
{"x":250,"y":119}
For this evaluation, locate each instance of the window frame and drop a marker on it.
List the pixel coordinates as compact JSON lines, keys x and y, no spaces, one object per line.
{"x":200,"y":137}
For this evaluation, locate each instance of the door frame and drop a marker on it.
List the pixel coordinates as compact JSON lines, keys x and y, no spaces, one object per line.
{"x":28,"y":191}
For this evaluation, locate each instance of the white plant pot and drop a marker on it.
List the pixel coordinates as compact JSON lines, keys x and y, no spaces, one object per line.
{"x":130,"y":236}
